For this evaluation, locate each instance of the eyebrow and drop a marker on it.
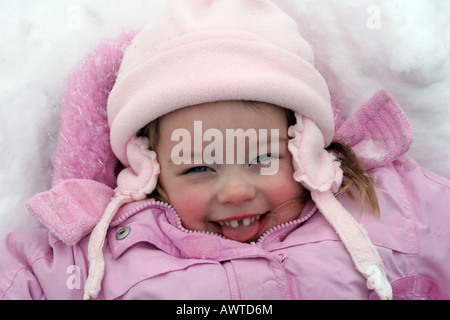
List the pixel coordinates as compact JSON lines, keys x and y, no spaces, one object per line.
{"x":200,"y":154}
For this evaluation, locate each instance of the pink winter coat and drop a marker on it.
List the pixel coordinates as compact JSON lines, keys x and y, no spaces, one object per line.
{"x":149,"y":255}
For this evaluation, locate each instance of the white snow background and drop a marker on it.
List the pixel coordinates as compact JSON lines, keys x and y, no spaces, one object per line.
{"x":361,"y":46}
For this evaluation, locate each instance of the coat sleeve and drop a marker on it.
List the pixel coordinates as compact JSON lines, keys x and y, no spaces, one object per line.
{"x":34,"y":265}
{"x":429,"y":197}
{"x":17,"y":256}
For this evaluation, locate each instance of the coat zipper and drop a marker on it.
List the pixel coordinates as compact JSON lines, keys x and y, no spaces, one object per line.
{"x":164,"y":206}
{"x":179,"y":224}
{"x":282,"y":226}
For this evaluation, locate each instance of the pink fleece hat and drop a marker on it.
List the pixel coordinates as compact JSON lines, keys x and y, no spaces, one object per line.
{"x":206,"y":51}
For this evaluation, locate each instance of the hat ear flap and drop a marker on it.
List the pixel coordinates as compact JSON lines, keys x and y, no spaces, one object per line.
{"x":318,"y":171}
{"x":141,"y":177}
{"x":315,"y":168}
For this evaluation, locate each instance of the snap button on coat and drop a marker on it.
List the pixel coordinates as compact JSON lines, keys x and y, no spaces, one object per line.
{"x":123,"y":233}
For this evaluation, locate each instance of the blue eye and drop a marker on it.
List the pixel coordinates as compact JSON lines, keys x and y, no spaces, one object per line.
{"x":197,"y":170}
{"x":264,"y":159}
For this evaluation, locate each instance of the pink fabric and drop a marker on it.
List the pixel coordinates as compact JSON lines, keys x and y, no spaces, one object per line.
{"x":133,"y":184}
{"x":417,"y":288}
{"x":320,"y":172}
{"x":141,"y":177}
{"x":95,"y":248}
{"x":411,"y":236}
{"x":72,"y":208}
{"x":364,"y":254}
{"x":84,"y":150}
{"x":314,"y":167}
{"x":378,"y":132}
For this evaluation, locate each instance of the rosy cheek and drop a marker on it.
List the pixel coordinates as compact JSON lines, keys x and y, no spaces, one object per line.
{"x":284,"y":186}
{"x":291,"y":190}
{"x":285,"y":196}
{"x":192,"y":206}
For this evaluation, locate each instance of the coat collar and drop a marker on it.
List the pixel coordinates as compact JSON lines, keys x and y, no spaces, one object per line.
{"x":157,"y":223}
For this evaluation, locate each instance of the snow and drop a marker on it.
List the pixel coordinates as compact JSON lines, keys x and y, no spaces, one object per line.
{"x":361,"y":46}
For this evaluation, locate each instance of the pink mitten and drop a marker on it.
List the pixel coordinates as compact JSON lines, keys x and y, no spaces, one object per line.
{"x":378,"y":132}
{"x":72,"y":208}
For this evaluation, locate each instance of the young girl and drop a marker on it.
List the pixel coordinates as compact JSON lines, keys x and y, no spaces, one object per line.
{"x":233,"y":182}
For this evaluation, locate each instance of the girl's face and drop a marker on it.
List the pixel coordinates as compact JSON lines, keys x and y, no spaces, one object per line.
{"x":233,"y":198}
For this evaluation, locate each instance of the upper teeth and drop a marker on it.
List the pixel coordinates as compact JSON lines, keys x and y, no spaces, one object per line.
{"x":236,"y":223}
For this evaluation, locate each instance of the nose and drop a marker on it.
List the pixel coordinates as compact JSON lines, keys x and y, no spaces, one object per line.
{"x":236,"y":190}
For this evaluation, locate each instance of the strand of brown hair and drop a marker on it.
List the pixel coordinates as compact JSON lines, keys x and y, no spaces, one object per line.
{"x":354,"y":176}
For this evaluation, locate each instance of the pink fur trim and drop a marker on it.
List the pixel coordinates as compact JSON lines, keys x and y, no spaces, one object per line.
{"x":84,"y":150}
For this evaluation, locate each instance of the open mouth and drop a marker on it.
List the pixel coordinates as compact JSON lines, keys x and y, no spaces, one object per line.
{"x":244,"y":229}
{"x":236,"y":223}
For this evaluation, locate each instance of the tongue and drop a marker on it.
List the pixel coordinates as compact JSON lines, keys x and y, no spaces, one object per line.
{"x":241,"y":233}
